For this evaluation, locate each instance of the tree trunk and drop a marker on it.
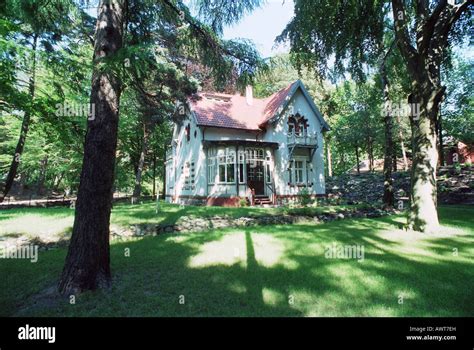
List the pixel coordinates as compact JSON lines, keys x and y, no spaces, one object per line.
{"x":402,"y":144}
{"x":370,"y":154}
{"x":87,"y":264}
{"x":388,"y":195}
{"x":423,"y":207}
{"x":329,"y":156}
{"x":357,"y":159}
{"x":154,"y":174}
{"x":58,"y":182}
{"x":23,"y":180}
{"x":24,"y":127}
{"x":141,"y":162}
{"x":42,"y":176}
{"x":440,"y":138}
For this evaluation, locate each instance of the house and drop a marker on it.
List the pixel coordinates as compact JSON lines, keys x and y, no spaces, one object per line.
{"x":227,"y":148}
{"x":456,"y":151}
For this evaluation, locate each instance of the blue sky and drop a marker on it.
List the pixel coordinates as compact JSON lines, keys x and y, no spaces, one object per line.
{"x":263,"y":25}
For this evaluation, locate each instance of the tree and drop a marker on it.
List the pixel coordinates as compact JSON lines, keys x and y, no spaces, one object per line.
{"x":40,"y":27}
{"x":433,"y":27}
{"x":87,"y":264}
{"x":388,"y":192}
{"x":351,"y":30}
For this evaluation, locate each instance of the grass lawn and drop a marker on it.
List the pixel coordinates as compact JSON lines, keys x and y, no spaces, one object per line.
{"x":259,"y":271}
{"x":58,"y":221}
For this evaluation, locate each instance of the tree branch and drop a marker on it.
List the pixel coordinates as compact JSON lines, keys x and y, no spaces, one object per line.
{"x":428,"y":27}
{"x":204,"y":34}
{"x":445,"y":22}
{"x":402,"y":34}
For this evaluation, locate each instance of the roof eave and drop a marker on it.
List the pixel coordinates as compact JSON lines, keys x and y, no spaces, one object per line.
{"x":227,"y":127}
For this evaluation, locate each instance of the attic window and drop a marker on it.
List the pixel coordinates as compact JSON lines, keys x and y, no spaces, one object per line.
{"x":297,"y":125}
{"x":217,"y":97}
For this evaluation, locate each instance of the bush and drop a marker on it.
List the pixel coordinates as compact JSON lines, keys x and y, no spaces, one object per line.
{"x":457,"y":168}
{"x":305,"y":197}
{"x":243,"y":202}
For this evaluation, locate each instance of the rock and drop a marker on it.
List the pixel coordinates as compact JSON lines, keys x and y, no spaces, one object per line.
{"x":169,"y":229}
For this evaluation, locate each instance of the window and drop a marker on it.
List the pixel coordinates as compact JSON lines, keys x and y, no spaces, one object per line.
{"x":268,"y":173}
{"x":192,"y":176}
{"x":188,"y":173}
{"x":297,"y":125}
{"x":241,"y":166}
{"x":225,"y":159}
{"x":297,"y":171}
{"x":211,"y":165}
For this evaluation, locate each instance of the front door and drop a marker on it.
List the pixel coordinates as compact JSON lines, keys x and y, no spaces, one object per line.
{"x":255,"y":177}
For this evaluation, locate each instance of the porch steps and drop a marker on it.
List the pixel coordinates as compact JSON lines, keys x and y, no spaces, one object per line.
{"x":263,"y":200}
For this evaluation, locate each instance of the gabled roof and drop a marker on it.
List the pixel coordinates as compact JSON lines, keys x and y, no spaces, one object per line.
{"x":233,"y":112}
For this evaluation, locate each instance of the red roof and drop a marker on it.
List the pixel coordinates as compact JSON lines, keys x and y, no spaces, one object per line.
{"x":232,"y":111}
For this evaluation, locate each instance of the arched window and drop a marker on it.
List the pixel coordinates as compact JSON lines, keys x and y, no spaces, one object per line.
{"x":297,"y":125}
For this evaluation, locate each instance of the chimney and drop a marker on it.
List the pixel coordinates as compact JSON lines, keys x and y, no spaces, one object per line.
{"x":249,"y":94}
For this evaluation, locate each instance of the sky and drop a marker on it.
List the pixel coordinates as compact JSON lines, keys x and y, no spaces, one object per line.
{"x":263,"y":25}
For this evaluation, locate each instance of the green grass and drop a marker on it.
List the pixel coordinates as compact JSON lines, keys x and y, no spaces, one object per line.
{"x":59,"y":221}
{"x":266,"y":271}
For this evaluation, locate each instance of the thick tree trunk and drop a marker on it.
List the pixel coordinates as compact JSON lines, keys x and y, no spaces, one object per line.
{"x":423,"y":214}
{"x":141,"y":162}
{"x":24,"y":127}
{"x":388,"y":195}
{"x":87,"y":264}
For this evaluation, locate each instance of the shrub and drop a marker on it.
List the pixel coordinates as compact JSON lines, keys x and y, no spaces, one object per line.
{"x":243,"y":202}
{"x":305,"y":197}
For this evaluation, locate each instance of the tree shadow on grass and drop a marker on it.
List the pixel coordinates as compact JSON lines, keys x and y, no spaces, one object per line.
{"x":158,"y":279}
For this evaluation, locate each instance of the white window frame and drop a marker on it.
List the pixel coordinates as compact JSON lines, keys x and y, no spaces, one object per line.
{"x":225,"y":157}
{"x":296,"y":180}
{"x":242,"y":168}
{"x":211,"y":165}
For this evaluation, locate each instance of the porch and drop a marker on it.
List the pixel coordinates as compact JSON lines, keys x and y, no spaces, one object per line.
{"x":241,"y":168}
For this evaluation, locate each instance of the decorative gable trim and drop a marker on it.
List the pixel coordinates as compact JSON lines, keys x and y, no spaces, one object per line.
{"x":298,"y":85}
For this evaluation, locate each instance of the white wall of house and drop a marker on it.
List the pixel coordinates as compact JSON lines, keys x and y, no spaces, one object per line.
{"x":278,"y":132}
{"x":186,"y":168}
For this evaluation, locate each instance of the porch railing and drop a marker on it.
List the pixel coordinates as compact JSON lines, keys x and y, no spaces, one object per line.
{"x":302,"y":140}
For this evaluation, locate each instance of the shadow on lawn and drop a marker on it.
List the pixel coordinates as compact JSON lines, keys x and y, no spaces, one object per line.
{"x":158,"y":275}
